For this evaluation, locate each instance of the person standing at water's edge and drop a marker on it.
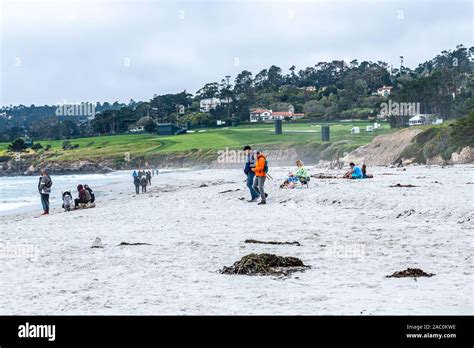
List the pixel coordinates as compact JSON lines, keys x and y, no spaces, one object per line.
{"x":260,"y":171}
{"x":44,"y":188}
{"x":249,"y":165}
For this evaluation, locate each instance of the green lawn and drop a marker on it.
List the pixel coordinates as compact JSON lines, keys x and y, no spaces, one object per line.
{"x":220,"y":138}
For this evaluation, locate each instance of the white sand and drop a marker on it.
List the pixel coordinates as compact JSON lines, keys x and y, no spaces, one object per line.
{"x":349,"y":231}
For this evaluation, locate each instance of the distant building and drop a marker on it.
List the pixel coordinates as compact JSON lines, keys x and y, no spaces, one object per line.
{"x":384,"y":91}
{"x":263,"y":115}
{"x":138,"y":129}
{"x":424,"y":119}
{"x":170,"y":129}
{"x":309,"y":88}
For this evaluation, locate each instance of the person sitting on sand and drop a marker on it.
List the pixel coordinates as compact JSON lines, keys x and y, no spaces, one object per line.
{"x":354,"y":173}
{"x":302,"y":173}
{"x":92,"y":194}
{"x":84,"y":196}
{"x":364,"y":173}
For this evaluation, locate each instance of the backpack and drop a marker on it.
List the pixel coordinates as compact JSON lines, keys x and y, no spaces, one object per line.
{"x":88,"y":195}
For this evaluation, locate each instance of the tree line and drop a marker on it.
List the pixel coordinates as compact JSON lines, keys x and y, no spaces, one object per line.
{"x":443,"y":85}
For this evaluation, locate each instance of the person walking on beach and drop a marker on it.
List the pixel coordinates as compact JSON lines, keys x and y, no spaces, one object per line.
{"x":136,"y":182}
{"x":260,"y":170}
{"x":249,"y":165}
{"x":148,"y":177}
{"x":143,"y":183}
{"x":44,"y":188}
{"x":134,"y":174}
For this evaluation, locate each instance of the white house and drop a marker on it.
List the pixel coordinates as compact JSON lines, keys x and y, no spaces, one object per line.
{"x":384,"y":91}
{"x":257,"y":115}
{"x":260,"y":115}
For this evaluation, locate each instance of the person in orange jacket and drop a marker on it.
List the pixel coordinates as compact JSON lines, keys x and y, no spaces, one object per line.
{"x":260,"y":176}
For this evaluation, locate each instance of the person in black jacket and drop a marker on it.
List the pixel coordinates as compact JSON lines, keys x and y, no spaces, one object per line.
{"x":136,"y":182}
{"x":249,"y":164}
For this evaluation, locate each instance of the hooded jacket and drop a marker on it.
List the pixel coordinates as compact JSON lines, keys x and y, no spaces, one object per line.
{"x":260,"y":166}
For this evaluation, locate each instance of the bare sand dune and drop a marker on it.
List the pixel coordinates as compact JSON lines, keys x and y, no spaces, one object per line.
{"x":352,"y":234}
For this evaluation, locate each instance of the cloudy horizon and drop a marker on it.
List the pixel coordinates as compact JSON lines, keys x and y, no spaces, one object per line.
{"x":107,"y":50}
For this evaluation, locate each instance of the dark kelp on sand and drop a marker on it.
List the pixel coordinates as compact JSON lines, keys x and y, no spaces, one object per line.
{"x":410,"y":273}
{"x":265,"y":264}
{"x":254,"y":241}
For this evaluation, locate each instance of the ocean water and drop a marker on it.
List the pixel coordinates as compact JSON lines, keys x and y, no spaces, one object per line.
{"x":21,"y":192}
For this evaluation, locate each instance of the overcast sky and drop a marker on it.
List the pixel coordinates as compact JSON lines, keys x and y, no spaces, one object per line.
{"x":101,"y":50}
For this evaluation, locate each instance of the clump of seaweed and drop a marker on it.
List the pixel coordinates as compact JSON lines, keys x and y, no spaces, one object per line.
{"x":254,"y":241}
{"x":410,"y":272}
{"x":265,"y":264}
{"x":402,"y":185}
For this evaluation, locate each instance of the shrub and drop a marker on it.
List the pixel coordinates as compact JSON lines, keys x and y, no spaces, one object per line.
{"x":17,"y":145}
{"x":36,"y":146}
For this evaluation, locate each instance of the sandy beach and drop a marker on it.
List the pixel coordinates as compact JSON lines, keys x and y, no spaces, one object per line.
{"x":352,"y":233}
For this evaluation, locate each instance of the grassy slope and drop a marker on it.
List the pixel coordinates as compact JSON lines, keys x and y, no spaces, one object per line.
{"x":442,"y":140}
{"x":114,"y":147}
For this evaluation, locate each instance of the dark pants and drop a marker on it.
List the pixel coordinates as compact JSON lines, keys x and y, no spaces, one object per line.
{"x":250,"y":179}
{"x":137,"y":188}
{"x":143,"y":188}
{"x":45,"y":202}
{"x":78,"y":200}
{"x":258,"y":186}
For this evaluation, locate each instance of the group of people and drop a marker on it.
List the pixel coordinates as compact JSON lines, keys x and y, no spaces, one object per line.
{"x":256,"y":170}
{"x":85,"y":194}
{"x":357,"y":172}
{"x":142,"y":178}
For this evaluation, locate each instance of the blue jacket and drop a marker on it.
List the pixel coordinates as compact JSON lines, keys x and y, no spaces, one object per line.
{"x":249,"y":164}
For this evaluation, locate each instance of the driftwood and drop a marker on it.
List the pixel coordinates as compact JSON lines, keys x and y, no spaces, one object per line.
{"x":227,"y":191}
{"x":253,"y":241}
{"x":406,"y":213}
{"x":324,"y":176}
{"x":265,"y":264}
{"x":402,"y":185}
{"x":410,"y":273}
{"x":125,"y":243}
